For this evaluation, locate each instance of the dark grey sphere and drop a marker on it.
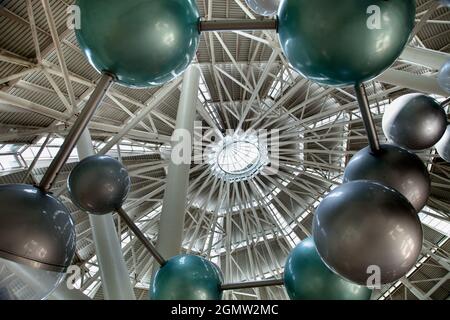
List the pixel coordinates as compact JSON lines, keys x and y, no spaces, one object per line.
{"x":443,"y":146}
{"x":99,"y":184}
{"x":362,"y":224}
{"x":394,"y":167}
{"x":36,"y":229}
{"x":414,"y":121}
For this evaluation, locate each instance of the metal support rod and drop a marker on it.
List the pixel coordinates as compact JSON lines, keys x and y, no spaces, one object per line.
{"x":367,"y":117}
{"x":59,"y":52}
{"x":75,"y":132}
{"x":253,"y":284}
{"x":237,"y":25}
{"x":445,"y":103}
{"x":138,"y":233}
{"x":36,"y":158}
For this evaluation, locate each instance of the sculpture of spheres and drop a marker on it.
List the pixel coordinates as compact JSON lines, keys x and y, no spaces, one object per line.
{"x":98,"y":184}
{"x":142,"y":42}
{"x":187,"y":277}
{"x":344,"y":44}
{"x":444,"y":75}
{"x":414,"y":121}
{"x":37,"y":242}
{"x":264,"y":7}
{"x":443,"y":146}
{"x":306,"y":277}
{"x":363,"y":224}
{"x":393,"y":167}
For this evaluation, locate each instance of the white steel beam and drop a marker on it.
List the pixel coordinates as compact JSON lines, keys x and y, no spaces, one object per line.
{"x":151,"y":104}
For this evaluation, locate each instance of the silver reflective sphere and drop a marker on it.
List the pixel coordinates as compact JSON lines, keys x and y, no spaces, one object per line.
{"x":36,"y":229}
{"x":37,"y":242}
{"x":362,"y":224}
{"x":393,"y":167}
{"x":414,"y":121}
{"x":21,"y":282}
{"x":443,"y":146}
{"x":444,"y":75}
{"x":264,"y":7}
{"x":99,"y":184}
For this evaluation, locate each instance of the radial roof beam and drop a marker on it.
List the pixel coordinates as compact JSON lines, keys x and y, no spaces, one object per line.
{"x":59,"y":52}
{"x":160,"y":95}
{"x":31,"y":106}
{"x":258,"y":87}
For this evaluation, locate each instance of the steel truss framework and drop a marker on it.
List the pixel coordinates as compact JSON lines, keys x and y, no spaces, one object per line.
{"x":248,"y":227}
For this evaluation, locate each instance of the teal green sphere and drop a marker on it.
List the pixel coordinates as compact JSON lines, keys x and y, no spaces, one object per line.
{"x":345,"y":42}
{"x":143,"y":43}
{"x":306,"y":277}
{"x":187,"y":277}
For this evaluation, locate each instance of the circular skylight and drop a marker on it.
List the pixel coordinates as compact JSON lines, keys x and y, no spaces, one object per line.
{"x":238,"y":157}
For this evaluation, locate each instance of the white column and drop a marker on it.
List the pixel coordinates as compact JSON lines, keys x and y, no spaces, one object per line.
{"x":113,"y":270}
{"x":425,"y":57}
{"x":171,"y":223}
{"x":412,"y":81}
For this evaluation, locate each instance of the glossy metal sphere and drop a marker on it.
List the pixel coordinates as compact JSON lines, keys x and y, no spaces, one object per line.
{"x":142,"y":42}
{"x":264,"y":7}
{"x":443,"y":146}
{"x":341,"y":44}
{"x":36,"y":229}
{"x":444,"y":75}
{"x":363,"y":224}
{"x":306,"y":277}
{"x":37,"y":242}
{"x":98,"y":184}
{"x":22,"y":282}
{"x":393,"y":167}
{"x":187,"y":277}
{"x":414,"y":121}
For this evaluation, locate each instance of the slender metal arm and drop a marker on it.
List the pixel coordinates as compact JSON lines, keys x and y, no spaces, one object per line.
{"x":445,"y":102}
{"x":36,"y":158}
{"x":253,"y":284}
{"x":75,"y":132}
{"x":237,"y":25}
{"x":367,"y":117}
{"x":138,"y":233}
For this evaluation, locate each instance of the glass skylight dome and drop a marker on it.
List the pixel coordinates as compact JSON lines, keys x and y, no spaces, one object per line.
{"x":238,"y":157}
